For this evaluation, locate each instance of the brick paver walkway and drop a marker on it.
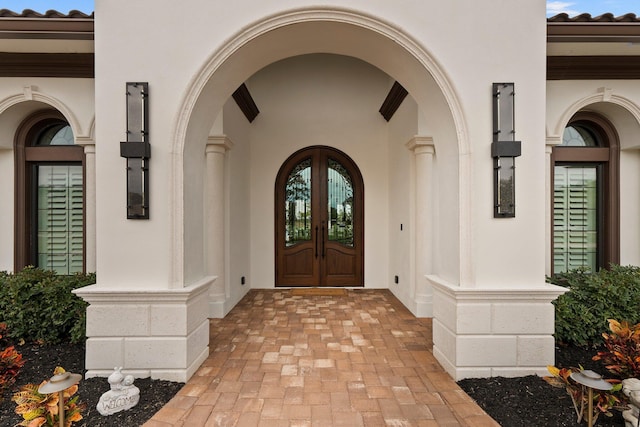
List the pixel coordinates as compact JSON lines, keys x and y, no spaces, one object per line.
{"x":356,"y":360}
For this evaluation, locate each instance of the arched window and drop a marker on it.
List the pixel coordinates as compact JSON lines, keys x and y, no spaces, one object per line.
{"x":49,"y":195}
{"x":585,"y":196}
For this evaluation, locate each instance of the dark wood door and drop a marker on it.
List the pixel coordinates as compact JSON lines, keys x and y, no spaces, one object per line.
{"x":319,"y":220}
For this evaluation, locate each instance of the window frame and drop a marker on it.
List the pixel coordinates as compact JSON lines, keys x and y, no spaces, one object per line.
{"x":606,"y":156}
{"x":27,"y":157}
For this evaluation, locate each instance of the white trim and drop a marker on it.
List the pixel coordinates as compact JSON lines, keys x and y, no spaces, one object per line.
{"x":543,"y":292}
{"x":603,"y":95}
{"x":30,"y":93}
{"x":99,"y":294}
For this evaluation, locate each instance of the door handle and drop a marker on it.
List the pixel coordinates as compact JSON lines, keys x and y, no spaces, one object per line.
{"x":322,"y":240}
{"x":316,"y":241}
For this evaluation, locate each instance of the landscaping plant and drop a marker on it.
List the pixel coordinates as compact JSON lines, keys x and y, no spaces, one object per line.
{"x":38,"y":305}
{"x":603,"y":401}
{"x":622,"y":354}
{"x":10,"y":362}
{"x":592,"y":299}
{"x":43,"y":410}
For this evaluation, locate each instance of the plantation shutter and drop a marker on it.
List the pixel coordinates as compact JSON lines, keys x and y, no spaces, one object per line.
{"x":60,"y":218}
{"x":575,"y":224}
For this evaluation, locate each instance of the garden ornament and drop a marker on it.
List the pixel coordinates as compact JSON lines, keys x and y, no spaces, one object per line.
{"x":123,"y":394}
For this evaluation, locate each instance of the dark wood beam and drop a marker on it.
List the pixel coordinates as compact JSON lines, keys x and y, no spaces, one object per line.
{"x":392,"y":102}
{"x":245,"y":102}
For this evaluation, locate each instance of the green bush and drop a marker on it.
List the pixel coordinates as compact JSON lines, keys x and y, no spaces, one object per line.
{"x":582,"y":312}
{"x":38,"y":305}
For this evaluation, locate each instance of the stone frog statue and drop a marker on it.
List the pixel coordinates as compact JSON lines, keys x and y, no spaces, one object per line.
{"x":631,"y":389}
{"x":123,"y":394}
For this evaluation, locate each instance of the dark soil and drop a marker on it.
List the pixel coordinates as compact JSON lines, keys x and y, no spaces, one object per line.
{"x":512,"y":402}
{"x":530,"y":401}
{"x":39,"y":366}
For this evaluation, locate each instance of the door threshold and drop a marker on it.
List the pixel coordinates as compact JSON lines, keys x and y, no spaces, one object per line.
{"x":319,"y":292}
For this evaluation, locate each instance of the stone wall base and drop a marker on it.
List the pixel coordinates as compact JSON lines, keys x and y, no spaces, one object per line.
{"x":163,"y":334}
{"x":479,"y":332}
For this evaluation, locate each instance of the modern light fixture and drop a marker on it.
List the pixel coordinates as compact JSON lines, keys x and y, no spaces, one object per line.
{"x":58,"y":384}
{"x":504,"y":150}
{"x":591,"y":380}
{"x":137,"y":151}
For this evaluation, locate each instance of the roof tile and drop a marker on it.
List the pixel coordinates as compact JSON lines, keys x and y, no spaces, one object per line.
{"x":28,"y":13}
{"x":586,"y":17}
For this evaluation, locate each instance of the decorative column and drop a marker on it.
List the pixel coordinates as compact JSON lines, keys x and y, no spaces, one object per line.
{"x":215,"y":206}
{"x":89,"y":205}
{"x":423,"y":151}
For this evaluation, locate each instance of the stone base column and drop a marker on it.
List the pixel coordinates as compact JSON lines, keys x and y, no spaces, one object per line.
{"x":162,"y":334}
{"x":494,"y":332}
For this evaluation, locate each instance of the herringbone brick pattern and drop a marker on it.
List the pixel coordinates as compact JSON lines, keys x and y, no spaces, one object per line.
{"x":306,"y":361}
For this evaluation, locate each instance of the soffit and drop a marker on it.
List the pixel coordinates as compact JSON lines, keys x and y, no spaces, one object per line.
{"x":46,"y":46}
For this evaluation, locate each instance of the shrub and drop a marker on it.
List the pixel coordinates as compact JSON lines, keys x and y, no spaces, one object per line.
{"x":622,"y":354}
{"x":42,"y":409}
{"x":39,"y":306}
{"x":582,"y":312}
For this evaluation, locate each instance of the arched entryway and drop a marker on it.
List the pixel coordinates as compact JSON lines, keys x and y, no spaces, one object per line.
{"x":387,"y":166}
{"x":319,"y":226}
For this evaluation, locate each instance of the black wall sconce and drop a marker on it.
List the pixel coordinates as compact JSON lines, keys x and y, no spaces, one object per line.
{"x":137,"y":151}
{"x":504,"y":151}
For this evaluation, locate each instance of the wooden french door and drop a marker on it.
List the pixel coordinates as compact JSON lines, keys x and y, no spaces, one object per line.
{"x":319,"y":220}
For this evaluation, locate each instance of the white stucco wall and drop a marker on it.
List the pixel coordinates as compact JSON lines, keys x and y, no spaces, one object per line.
{"x":402,"y":127}
{"x":170,"y":63}
{"x":239,"y":211}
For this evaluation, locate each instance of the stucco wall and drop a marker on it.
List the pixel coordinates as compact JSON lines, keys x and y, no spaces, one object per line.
{"x":172,"y":63}
{"x":402,"y":127}
{"x":239,"y":210}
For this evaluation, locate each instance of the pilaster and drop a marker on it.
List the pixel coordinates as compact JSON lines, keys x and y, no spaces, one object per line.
{"x":423,"y":150}
{"x":215,"y":205}
{"x":89,"y":204}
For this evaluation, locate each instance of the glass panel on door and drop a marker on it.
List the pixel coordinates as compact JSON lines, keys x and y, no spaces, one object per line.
{"x":298,"y":204}
{"x":340,"y":204}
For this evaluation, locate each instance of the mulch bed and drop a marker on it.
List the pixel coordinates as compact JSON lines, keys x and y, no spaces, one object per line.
{"x":530,"y":401}
{"x":512,"y":402}
{"x":39,"y":366}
